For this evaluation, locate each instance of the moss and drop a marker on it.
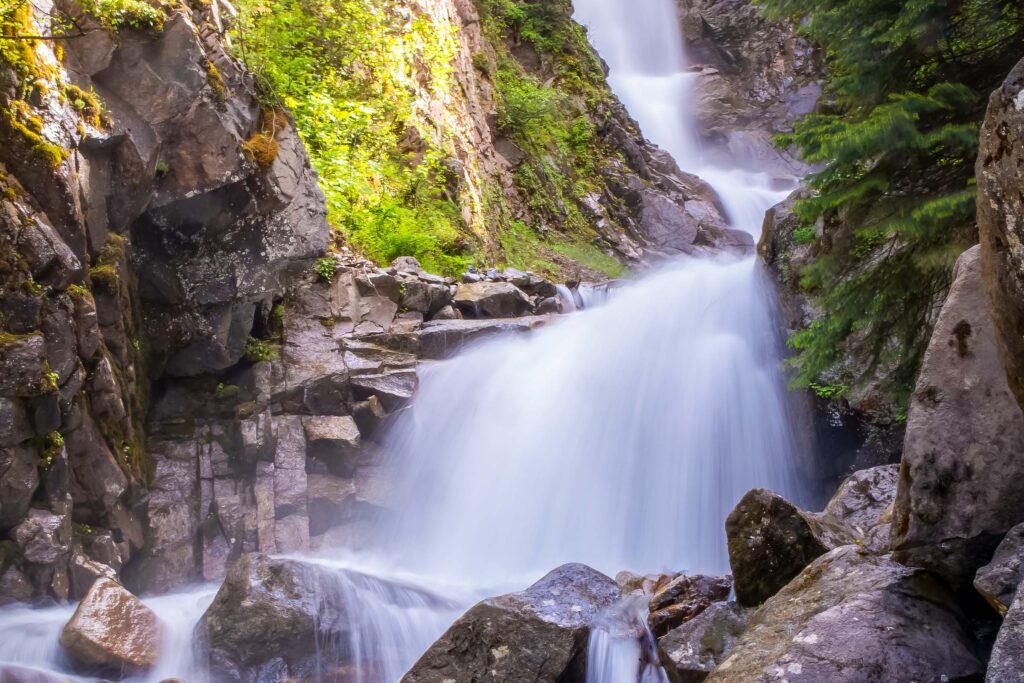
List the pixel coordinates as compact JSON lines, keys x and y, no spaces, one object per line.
{"x":593,"y":258}
{"x":10,"y":194}
{"x":49,"y":448}
{"x":105,"y":277}
{"x":87,"y":103}
{"x":261,"y":148}
{"x":261,"y":350}
{"x":79,"y":292}
{"x":217,"y":84}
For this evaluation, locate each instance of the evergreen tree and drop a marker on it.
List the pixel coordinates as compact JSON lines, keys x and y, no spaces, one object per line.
{"x":897,"y":134}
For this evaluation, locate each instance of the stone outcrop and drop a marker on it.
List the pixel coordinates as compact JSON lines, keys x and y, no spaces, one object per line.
{"x":683,"y":598}
{"x":539,"y":634}
{"x":771,"y":541}
{"x":273,"y":620}
{"x":864,"y":503}
{"x":113,"y":629}
{"x":998,"y":580}
{"x":1000,"y":173}
{"x":849,"y":617}
{"x":957,"y":492}
{"x":691,"y":651}
{"x":755,"y":77}
{"x":1004,"y":666}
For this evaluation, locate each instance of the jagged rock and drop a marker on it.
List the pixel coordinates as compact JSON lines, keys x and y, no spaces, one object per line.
{"x":329,"y":500}
{"x":692,"y":650}
{"x":291,"y":515}
{"x":43,"y":537}
{"x":10,"y":673}
{"x":425,"y":297}
{"x":393,"y":389}
{"x":850,"y":617}
{"x":684,"y":598}
{"x":273,"y":619}
{"x":441,"y":338}
{"x":864,"y":501}
{"x":23,"y":365}
{"x":19,"y":478}
{"x":539,"y":634}
{"x":1004,"y":666}
{"x":998,"y":580}
{"x":112,"y":628}
{"x":407,"y":264}
{"x":491,"y":300}
{"x":771,"y":541}
{"x":85,"y":572}
{"x":14,"y":424}
{"x":958,"y":489}
{"x":1000,"y":173}
{"x":332,"y":439}
{"x":379,"y":284}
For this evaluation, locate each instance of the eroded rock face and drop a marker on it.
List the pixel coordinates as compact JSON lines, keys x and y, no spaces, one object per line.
{"x":864,"y":503}
{"x":684,"y":598}
{"x":965,"y":432}
{"x":272,"y":619}
{"x":691,"y":651}
{"x":998,"y":580}
{"x":771,"y":541}
{"x":539,"y":634}
{"x":1000,"y":173}
{"x":851,"y":617}
{"x":112,"y":628}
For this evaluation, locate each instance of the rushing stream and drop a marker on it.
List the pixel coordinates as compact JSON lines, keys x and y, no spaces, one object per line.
{"x":619,"y":436}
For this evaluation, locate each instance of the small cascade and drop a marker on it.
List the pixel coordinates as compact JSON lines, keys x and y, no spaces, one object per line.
{"x":622,"y":648}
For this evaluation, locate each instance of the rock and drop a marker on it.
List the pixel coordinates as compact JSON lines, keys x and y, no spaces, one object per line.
{"x":43,"y":537}
{"x":273,"y":619}
{"x":112,"y":628}
{"x":23,"y":365}
{"x":393,"y":389}
{"x":329,"y":500}
{"x":85,"y":572}
{"x":11,"y":673}
{"x":407,"y":264}
{"x":1004,"y":665}
{"x":441,"y":338}
{"x":692,"y":651}
{"x":771,"y":541}
{"x":851,"y":617}
{"x":684,"y":598}
{"x":1000,"y":173}
{"x":447,"y":313}
{"x":332,"y":439}
{"x":490,"y":300}
{"x":14,"y":424}
{"x":538,"y":635}
{"x":958,"y":491}
{"x":863,"y":503}
{"x":998,"y":580}
{"x":379,"y":284}
{"x":19,"y":478}
{"x":424,"y":297}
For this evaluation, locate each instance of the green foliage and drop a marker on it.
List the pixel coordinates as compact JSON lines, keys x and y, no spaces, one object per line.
{"x":349,"y":71}
{"x":116,"y":15}
{"x":906,"y":90}
{"x":805,"y":234}
{"x":326,"y":268}
{"x":261,"y":350}
{"x":593,"y":258}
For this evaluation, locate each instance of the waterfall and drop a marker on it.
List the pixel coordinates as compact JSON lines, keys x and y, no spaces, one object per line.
{"x":619,"y":436}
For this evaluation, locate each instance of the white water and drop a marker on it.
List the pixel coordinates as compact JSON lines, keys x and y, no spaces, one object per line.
{"x":620,"y":436}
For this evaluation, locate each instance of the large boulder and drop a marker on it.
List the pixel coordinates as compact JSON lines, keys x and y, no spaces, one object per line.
{"x":694,"y":649}
{"x":491,"y":300}
{"x":959,"y":488}
{"x":851,"y":617}
{"x":771,"y":541}
{"x":864,"y":501}
{"x":997,"y":581}
{"x":1005,"y":665}
{"x":1000,"y":173}
{"x":273,"y":619}
{"x":539,"y":634}
{"x":112,"y":628}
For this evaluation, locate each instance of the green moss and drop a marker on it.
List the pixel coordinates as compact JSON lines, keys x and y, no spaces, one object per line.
{"x":261,"y":350}
{"x":326,"y":268}
{"x":116,"y":15}
{"x":593,"y":258}
{"x":217,"y":84}
{"x":49,"y":448}
{"x":87,"y":103}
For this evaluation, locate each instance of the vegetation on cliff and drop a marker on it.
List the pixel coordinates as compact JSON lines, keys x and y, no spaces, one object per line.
{"x":897,"y":136}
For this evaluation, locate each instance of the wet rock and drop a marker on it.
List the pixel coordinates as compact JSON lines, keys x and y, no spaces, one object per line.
{"x":23,"y":366}
{"x":958,"y":490}
{"x":332,"y":439}
{"x":11,"y":673}
{"x":273,"y":619}
{"x":19,"y":478}
{"x":850,"y":617}
{"x":771,"y":541}
{"x":1000,"y":172}
{"x":43,"y":537}
{"x":112,"y":628}
{"x":441,"y":338}
{"x":330,"y":499}
{"x":684,"y":598}
{"x":393,"y":389}
{"x":85,"y":572}
{"x":539,"y":634}
{"x":491,"y":300}
{"x":998,"y":580}
{"x":14,"y":424}
{"x":1008,"y":652}
{"x":692,"y":651}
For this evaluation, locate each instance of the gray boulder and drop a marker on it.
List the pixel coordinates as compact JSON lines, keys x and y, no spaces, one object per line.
{"x":538,"y":635}
{"x":864,"y":501}
{"x":771,"y":541}
{"x":851,"y":617}
{"x":1005,"y":665}
{"x":684,"y":598}
{"x":997,"y":581}
{"x":692,"y":650}
{"x":959,"y":488}
{"x":19,"y":477}
{"x":491,"y":300}
{"x":273,"y":619}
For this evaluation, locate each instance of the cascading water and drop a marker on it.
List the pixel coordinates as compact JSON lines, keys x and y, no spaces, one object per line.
{"x":619,"y":436}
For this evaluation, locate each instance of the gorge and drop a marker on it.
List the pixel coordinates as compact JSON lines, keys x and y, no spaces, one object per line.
{"x":313,"y":467}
